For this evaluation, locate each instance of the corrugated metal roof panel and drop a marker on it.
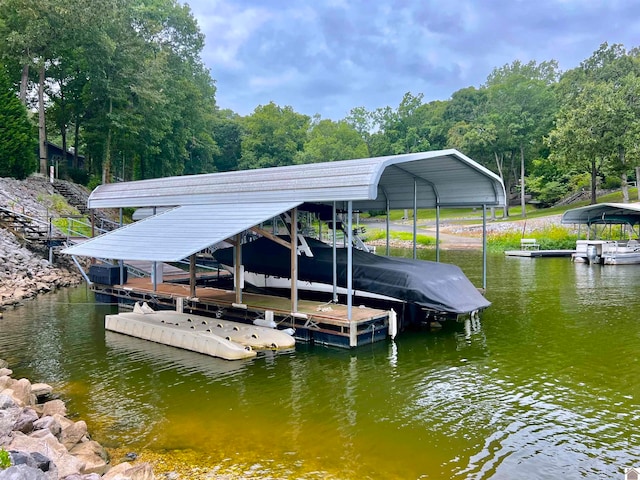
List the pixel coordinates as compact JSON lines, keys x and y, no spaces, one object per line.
{"x":178,"y":233}
{"x":445,"y":178}
{"x":599,"y":213}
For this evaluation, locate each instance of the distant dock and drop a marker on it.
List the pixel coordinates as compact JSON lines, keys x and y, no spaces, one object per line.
{"x":539,"y":253}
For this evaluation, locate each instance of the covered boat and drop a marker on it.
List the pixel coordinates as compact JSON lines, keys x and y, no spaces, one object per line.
{"x":415,"y":288}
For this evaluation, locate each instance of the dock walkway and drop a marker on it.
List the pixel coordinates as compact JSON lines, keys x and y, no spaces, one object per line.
{"x":539,"y":253}
{"x":316,"y":322}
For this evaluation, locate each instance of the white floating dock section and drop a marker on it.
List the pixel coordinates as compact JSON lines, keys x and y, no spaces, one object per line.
{"x":210,"y":336}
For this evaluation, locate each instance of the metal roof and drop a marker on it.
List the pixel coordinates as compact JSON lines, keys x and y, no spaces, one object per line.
{"x":443,"y":178}
{"x":176,"y":234}
{"x":604,"y":213}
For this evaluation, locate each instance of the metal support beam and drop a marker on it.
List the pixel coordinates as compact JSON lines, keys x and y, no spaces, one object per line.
{"x":192,"y":275}
{"x":335,"y":257}
{"x":121,"y":262}
{"x":294,"y":260}
{"x":353,"y":334}
{"x":484,"y":247}
{"x":388,"y":226}
{"x":415,"y":218}
{"x":437,"y":233}
{"x":237,"y":263}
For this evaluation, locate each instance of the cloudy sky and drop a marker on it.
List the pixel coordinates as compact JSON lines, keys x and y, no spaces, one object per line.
{"x":329,"y":56}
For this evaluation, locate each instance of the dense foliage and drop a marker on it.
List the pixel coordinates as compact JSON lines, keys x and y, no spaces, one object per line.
{"x":17,"y":142}
{"x":123,"y":83}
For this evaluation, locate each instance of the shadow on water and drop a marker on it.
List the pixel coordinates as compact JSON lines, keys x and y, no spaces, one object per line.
{"x":543,"y":386}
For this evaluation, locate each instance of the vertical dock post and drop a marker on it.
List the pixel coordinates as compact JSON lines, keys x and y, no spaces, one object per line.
{"x":294,"y":260}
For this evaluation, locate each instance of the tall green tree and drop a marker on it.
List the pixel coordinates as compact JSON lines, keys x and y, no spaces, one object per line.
{"x":273,"y":136}
{"x":328,"y":141}
{"x":596,"y":129}
{"x":17,"y":140}
{"x":521,"y":104}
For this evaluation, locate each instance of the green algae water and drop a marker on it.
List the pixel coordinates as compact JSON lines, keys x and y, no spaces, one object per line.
{"x":545,"y":385}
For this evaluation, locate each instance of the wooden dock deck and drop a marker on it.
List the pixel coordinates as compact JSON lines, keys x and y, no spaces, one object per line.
{"x":317,"y":322}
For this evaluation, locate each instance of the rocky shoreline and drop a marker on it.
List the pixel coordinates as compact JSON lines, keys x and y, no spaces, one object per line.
{"x":42,"y":443}
{"x":24,"y":273}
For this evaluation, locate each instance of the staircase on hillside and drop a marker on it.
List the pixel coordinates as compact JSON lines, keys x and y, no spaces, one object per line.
{"x":77,"y":197}
{"x":26,"y":228}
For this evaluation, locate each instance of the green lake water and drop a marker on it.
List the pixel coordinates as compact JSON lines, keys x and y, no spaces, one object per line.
{"x":545,"y":386}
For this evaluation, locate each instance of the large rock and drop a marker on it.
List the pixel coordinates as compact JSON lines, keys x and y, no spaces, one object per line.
{"x":72,"y":433}
{"x":48,"y":423}
{"x":41,"y":389}
{"x":93,"y":455}
{"x":22,"y":472}
{"x":6,"y":401}
{"x":54,"y":407}
{"x":8,"y":418}
{"x":126,"y":471}
{"x":35,"y":460}
{"x":43,"y":442}
{"x":24,"y":423}
{"x":22,"y":392}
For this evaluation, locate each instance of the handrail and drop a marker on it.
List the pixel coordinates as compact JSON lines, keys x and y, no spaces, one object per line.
{"x":46,"y":223}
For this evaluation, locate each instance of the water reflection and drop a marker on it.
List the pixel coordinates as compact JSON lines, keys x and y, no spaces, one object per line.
{"x":543,"y":385}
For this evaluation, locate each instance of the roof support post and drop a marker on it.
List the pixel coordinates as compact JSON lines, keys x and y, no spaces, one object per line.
{"x":353,"y":334}
{"x":192,"y":275}
{"x":294,"y":260}
{"x":388,"y":225}
{"x":121,"y":261}
{"x":237,"y":264}
{"x":335,"y":257}
{"x":438,"y":233}
{"x":484,"y":247}
{"x":415,"y":217}
{"x":154,"y":275}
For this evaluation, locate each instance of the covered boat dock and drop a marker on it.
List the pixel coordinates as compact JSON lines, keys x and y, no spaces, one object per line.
{"x":600,"y":246}
{"x":201,"y":211}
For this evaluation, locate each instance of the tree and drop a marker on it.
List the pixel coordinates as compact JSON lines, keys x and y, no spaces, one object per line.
{"x":328,"y":141}
{"x":596,"y":129}
{"x":17,"y":141}
{"x":273,"y":136}
{"x":521,"y":104}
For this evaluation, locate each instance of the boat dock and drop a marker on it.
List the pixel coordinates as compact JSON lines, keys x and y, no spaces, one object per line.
{"x":314,"y":322}
{"x":539,"y":253}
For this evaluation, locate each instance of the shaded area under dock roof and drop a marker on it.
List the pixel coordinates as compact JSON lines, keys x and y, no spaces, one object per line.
{"x":444,"y":178}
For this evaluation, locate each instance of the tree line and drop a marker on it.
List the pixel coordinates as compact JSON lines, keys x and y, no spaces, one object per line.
{"x":122,"y":82}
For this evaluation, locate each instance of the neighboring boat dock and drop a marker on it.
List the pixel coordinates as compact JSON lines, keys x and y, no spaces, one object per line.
{"x":539,"y":253}
{"x":529,"y":247}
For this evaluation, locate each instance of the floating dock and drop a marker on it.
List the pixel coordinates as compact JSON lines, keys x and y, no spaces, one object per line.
{"x":215,"y":337}
{"x":539,"y":253}
{"x":314,"y":322}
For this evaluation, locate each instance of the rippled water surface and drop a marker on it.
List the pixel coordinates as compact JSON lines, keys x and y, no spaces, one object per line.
{"x":545,"y":386}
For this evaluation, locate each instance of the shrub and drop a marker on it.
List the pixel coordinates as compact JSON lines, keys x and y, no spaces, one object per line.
{"x":553,"y":237}
{"x":5,"y":459}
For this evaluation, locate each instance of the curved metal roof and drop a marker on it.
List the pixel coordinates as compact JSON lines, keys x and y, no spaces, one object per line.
{"x":445,"y":178}
{"x":604,"y":213}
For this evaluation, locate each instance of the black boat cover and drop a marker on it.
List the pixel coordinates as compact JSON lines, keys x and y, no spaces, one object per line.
{"x":436,"y":286}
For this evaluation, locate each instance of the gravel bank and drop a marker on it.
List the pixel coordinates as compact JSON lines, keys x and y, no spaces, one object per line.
{"x":24,"y":273}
